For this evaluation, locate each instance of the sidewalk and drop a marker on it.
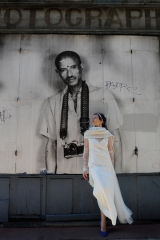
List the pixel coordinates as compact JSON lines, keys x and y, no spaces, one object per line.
{"x":135,"y":231}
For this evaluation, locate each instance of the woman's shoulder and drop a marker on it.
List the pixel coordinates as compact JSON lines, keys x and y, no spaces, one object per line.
{"x":86,"y":133}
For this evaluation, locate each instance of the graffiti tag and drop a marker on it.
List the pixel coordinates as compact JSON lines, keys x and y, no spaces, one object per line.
{"x":4,"y":115}
{"x":120,"y":86}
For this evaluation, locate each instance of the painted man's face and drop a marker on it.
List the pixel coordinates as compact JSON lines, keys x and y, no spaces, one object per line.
{"x":69,"y":71}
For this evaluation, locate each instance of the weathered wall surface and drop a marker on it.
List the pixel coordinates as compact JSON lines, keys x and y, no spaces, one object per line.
{"x":125,"y":66}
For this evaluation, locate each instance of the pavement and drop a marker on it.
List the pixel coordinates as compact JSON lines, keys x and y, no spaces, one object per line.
{"x":78,"y":231}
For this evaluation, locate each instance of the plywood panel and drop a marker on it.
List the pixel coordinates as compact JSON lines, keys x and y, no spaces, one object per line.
{"x":58,"y":190}
{"x":145,"y":62}
{"x":9,"y":82}
{"x":4,"y":199}
{"x":85,"y":203}
{"x":146,"y":77}
{"x":24,"y":136}
{"x":117,"y":72}
{"x":77,"y":195}
{"x":148,"y":190}
{"x":8,"y":136}
{"x":128,"y":186}
{"x":9,"y":66}
{"x":13,"y":196}
{"x":28,"y":196}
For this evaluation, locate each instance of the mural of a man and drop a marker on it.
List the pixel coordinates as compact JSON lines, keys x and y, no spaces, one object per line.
{"x":67,"y":116}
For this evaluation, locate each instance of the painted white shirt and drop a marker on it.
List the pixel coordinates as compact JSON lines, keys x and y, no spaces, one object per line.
{"x":100,"y":100}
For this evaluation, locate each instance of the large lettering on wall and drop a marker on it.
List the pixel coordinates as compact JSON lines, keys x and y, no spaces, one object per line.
{"x":80,"y":19}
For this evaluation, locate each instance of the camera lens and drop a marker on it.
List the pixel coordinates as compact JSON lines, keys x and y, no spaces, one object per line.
{"x":72,"y":148}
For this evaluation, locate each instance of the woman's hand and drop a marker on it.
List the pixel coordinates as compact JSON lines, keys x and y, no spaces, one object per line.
{"x":85,"y":176}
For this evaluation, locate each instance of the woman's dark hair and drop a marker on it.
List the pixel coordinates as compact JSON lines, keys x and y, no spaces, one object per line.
{"x":102,"y":117}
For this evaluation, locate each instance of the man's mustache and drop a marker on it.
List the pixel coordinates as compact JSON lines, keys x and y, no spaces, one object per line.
{"x":71,"y":78}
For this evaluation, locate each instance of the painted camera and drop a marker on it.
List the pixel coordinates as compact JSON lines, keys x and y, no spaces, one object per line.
{"x":73,"y":149}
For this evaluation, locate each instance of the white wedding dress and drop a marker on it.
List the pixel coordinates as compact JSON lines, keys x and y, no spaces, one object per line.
{"x":102,"y":176}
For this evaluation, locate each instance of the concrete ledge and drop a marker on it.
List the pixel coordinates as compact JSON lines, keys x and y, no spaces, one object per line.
{"x":72,"y":217}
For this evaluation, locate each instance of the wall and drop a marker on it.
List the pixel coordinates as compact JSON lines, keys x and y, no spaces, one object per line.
{"x":125,"y":66}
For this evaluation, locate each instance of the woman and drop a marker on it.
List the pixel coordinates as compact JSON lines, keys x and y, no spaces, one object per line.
{"x":99,"y":157}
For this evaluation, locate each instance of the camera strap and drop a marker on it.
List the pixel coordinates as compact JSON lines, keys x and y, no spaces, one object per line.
{"x":84,"y":120}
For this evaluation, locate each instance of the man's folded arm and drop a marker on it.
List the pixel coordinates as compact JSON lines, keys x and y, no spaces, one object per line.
{"x":47,"y":130}
{"x":50,"y":155}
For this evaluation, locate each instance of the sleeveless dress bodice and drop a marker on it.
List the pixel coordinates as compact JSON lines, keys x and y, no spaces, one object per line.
{"x":99,"y":154}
